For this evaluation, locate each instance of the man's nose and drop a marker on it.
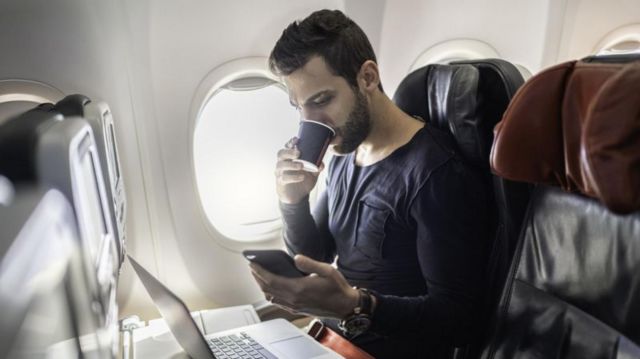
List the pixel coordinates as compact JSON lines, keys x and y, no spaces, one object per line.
{"x":308,"y":114}
{"x":314,"y":115}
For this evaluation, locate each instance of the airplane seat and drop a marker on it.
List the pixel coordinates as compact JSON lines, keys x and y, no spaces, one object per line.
{"x":573,"y":289}
{"x":52,"y":151}
{"x":18,"y":141}
{"x":99,"y":116}
{"x":43,"y":296}
{"x":467,"y":99}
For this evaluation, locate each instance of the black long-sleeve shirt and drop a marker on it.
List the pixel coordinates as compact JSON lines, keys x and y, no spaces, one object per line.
{"x":413,"y":228}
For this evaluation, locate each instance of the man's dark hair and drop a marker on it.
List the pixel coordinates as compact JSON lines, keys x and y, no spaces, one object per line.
{"x":329,"y":34}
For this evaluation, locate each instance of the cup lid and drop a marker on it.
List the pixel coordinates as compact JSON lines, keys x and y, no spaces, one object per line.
{"x":321,"y":124}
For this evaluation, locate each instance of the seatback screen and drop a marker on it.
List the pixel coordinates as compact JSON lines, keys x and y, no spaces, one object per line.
{"x":93,"y":223}
{"x":113,"y":155}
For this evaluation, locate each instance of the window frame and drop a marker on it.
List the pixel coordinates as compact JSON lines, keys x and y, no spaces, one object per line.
{"x":27,"y":91}
{"x":217,"y":79}
{"x":622,"y":34}
{"x":452,"y":50}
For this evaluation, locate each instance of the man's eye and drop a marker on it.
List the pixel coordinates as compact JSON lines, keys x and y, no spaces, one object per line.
{"x":322,"y":101}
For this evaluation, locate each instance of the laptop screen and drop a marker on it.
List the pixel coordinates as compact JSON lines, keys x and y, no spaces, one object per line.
{"x":176,"y":314}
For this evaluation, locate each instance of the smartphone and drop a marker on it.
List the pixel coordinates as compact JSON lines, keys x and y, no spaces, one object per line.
{"x":275,"y":261}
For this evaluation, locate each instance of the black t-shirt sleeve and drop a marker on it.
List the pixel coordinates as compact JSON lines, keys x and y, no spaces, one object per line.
{"x":308,"y":234}
{"x":451,"y":216}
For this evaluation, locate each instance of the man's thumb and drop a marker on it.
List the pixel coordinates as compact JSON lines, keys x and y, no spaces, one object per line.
{"x":309,"y":265}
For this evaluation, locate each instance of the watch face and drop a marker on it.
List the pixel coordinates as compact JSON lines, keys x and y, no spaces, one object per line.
{"x":357,"y":324}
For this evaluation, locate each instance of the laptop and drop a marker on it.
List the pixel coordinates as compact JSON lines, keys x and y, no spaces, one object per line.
{"x":271,"y":339}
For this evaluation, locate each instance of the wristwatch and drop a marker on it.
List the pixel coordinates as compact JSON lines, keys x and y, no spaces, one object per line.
{"x":358,"y":321}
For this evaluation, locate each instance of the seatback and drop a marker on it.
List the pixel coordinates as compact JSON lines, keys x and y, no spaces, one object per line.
{"x":67,"y":159}
{"x":58,"y":152}
{"x":467,"y":99}
{"x":99,"y":117}
{"x":574,"y":286}
{"x":44,"y":300}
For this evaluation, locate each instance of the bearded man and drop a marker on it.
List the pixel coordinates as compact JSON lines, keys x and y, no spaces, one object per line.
{"x":403,"y":220}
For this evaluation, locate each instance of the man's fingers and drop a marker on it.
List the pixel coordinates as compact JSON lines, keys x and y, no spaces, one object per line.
{"x":260,"y":273}
{"x":261,"y":283}
{"x":288,"y":154}
{"x":291,"y":143}
{"x":285,"y":166}
{"x":272,"y":283}
{"x":288,"y":178}
{"x":309,"y":265}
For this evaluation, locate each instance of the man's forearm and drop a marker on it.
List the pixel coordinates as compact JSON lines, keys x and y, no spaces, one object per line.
{"x":301,"y":234}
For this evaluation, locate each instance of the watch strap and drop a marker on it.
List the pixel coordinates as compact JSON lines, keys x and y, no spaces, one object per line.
{"x":365,"y":303}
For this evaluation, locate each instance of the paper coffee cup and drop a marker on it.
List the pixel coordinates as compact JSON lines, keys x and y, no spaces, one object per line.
{"x":313,"y":140}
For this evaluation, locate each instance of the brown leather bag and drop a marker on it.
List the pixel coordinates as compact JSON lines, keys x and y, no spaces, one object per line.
{"x":335,"y":342}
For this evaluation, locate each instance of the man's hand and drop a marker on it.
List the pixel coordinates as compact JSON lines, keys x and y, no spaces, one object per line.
{"x":323,"y":293}
{"x":292,"y":183}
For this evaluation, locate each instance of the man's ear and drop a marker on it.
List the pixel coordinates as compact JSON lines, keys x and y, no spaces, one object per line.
{"x":369,"y":76}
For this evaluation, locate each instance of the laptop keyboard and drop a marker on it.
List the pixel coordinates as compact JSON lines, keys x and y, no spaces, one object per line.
{"x":238,"y":346}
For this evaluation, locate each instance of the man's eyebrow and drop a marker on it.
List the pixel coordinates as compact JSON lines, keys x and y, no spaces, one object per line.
{"x":312,"y":98}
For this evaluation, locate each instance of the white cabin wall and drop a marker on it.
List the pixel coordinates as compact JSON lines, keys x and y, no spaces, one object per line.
{"x":588,"y":22}
{"x":146,"y":224}
{"x":369,"y":15}
{"x":515,"y":29}
{"x":536,"y":34}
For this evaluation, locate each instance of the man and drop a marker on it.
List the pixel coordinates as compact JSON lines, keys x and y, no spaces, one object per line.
{"x":402,"y":216}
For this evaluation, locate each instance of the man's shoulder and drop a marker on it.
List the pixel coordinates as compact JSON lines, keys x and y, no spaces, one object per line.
{"x":431,"y":149}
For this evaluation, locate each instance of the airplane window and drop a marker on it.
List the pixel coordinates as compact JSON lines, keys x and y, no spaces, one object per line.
{"x":623,"y":40}
{"x":238,"y":133}
{"x":460,"y":50}
{"x":622,"y":47}
{"x":17,"y":96}
{"x":454,"y":50}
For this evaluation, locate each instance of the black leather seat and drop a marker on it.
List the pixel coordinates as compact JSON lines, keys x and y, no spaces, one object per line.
{"x":574,"y":286}
{"x":467,"y":99}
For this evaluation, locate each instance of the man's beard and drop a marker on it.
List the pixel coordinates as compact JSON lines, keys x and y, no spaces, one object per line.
{"x":357,"y":127}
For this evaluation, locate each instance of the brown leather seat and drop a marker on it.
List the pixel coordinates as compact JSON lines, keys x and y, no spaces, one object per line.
{"x":577,"y":126}
{"x":574,"y":286}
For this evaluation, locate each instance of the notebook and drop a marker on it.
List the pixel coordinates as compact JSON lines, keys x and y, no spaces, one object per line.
{"x":271,"y":339}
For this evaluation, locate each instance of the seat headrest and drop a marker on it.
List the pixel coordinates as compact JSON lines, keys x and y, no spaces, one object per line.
{"x":18,"y":140}
{"x":73,"y":105}
{"x":576,"y":125}
{"x":465,"y":99}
